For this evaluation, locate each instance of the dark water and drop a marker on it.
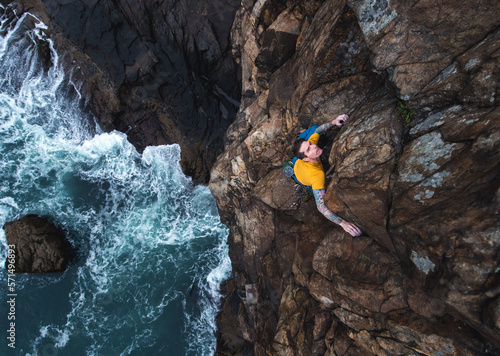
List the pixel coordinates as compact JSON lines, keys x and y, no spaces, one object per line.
{"x":151,"y":249}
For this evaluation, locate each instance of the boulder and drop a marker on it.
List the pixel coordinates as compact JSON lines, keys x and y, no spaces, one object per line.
{"x":39,"y":246}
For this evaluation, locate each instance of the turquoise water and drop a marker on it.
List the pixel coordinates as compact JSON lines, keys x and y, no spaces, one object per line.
{"x":151,"y":250}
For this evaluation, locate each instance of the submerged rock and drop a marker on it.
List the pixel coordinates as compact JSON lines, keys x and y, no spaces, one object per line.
{"x":39,"y":246}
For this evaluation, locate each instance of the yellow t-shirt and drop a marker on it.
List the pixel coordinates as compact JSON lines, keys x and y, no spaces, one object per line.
{"x":309,"y":173}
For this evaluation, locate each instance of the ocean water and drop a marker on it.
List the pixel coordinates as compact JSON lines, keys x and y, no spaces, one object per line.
{"x":150,"y":248}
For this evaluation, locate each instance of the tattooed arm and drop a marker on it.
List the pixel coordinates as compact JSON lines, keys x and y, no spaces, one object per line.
{"x":319,"y":195}
{"x":339,"y":121}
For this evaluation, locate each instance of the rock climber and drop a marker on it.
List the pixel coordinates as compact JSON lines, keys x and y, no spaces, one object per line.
{"x":309,"y":171}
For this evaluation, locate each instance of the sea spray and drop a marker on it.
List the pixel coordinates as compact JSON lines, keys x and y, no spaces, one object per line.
{"x":150,"y":247}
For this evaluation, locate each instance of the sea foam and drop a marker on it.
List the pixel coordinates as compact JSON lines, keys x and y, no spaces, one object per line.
{"x":150,"y":248}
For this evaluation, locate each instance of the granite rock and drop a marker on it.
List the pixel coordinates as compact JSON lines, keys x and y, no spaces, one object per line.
{"x":416,"y":167}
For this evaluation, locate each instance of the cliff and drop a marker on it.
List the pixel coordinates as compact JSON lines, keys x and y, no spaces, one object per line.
{"x":160,"y":71}
{"x":416,"y":167}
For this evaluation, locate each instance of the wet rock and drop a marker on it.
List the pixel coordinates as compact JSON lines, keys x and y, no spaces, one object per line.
{"x":40,"y":247}
{"x":160,"y":71}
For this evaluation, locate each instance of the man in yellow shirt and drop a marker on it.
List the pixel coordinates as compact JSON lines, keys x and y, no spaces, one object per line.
{"x":309,"y":171}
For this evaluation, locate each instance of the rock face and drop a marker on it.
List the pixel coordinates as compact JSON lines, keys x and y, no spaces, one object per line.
{"x":416,"y":167}
{"x":160,"y":71}
{"x":40,"y":247}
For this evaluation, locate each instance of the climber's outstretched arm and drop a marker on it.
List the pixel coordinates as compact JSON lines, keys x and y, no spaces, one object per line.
{"x":339,"y":121}
{"x":319,"y":195}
